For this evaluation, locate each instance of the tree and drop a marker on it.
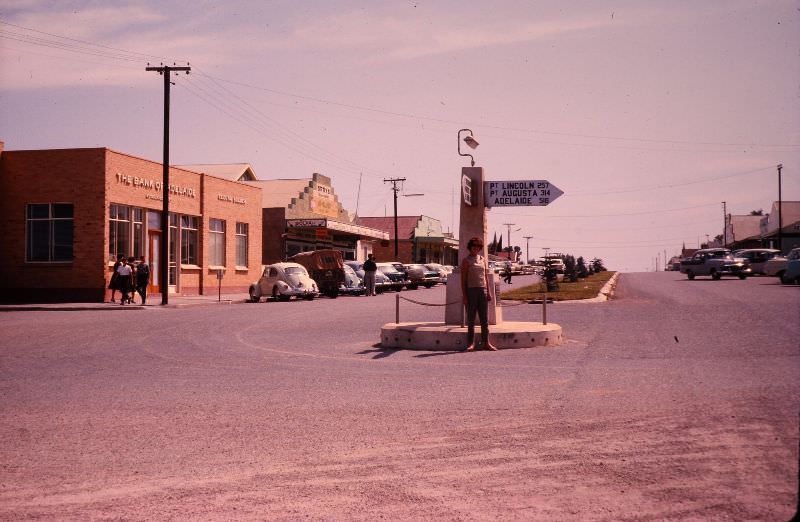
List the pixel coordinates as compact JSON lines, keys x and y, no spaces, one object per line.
{"x":759,"y":212}
{"x":597,"y":264}
{"x":493,"y":245}
{"x":570,"y":273}
{"x":581,"y":268}
{"x":499,"y":246}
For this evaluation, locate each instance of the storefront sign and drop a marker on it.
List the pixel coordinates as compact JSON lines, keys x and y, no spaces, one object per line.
{"x":154,"y":185}
{"x":232,"y":199}
{"x":306,"y":223}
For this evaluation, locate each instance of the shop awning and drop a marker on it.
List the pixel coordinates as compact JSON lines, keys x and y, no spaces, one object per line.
{"x":337,"y":226}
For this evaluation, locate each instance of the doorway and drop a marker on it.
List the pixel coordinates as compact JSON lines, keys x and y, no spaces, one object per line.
{"x":154,"y":250}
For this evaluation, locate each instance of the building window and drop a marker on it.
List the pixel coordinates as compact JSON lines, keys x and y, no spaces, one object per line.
{"x":189,"y":239}
{"x":216,"y":242}
{"x":50,"y":232}
{"x":241,"y":244}
{"x":138,"y":232}
{"x":119,"y":231}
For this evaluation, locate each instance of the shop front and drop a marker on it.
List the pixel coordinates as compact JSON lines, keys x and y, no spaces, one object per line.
{"x":72,"y":212}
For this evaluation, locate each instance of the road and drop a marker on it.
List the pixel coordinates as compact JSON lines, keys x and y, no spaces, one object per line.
{"x":676,"y":400}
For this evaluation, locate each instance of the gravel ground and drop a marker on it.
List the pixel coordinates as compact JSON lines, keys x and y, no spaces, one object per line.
{"x":675,"y":401}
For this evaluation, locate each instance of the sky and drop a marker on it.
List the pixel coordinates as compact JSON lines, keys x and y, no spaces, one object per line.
{"x":646,"y":114}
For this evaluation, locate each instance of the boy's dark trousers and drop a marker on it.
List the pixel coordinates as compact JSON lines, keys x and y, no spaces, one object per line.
{"x":142,"y":291}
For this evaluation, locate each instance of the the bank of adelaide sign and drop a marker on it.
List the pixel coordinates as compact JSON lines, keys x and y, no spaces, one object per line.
{"x":154,"y":185}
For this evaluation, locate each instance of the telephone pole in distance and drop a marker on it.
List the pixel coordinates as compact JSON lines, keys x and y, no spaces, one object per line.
{"x":394,"y":182}
{"x":163,"y":270}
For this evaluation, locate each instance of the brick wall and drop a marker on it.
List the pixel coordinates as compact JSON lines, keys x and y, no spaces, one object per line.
{"x":92,"y":179}
{"x":54,"y":176}
{"x":274,"y":226}
{"x":232,"y":202}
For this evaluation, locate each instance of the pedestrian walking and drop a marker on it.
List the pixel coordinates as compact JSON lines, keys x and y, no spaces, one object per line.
{"x":507,"y":274}
{"x":113,"y":285}
{"x":124,"y":273}
{"x":369,"y":275}
{"x":142,"y":278}
{"x":476,"y":294}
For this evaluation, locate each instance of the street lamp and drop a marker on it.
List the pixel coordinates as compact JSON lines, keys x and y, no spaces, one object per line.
{"x":470,"y":141}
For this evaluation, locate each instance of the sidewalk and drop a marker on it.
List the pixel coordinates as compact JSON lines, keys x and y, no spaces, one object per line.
{"x":153,"y":303}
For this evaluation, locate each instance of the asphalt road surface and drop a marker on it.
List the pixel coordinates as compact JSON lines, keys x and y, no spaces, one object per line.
{"x":676,"y":400}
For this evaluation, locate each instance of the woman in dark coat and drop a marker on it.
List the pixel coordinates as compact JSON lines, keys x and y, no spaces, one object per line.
{"x":113,"y":285}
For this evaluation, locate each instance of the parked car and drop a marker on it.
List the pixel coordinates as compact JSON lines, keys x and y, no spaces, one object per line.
{"x":421,"y":275}
{"x":792,"y":273}
{"x":381,"y":282}
{"x":325,"y":267}
{"x":714,"y":262}
{"x":777,"y":265}
{"x":397,"y":280}
{"x":757,"y":257}
{"x":400,"y":267}
{"x":440,"y":271}
{"x":283,"y":281}
{"x":353,"y":285}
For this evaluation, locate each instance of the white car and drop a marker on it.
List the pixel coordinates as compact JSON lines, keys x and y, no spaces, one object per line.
{"x":282,"y":281}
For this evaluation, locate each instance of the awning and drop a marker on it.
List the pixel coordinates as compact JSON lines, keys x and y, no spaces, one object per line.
{"x":337,"y":226}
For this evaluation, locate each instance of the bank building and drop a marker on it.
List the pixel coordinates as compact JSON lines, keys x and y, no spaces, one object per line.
{"x":68,"y":213}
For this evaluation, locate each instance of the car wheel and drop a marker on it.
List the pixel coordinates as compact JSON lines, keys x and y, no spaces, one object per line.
{"x":742,"y":276}
{"x":276,"y":295}
{"x":780,"y":276}
{"x":690,"y":275}
{"x":413,"y":287}
{"x":309,"y":297}
{"x":428,"y":285}
{"x":715,"y":275}
{"x":253,"y":297}
{"x":333,"y":294}
{"x":785,"y":280}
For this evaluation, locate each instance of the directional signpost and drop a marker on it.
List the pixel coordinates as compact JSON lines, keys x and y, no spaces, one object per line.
{"x":519,"y":193}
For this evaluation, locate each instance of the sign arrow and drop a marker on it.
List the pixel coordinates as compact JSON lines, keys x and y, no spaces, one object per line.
{"x":520,"y":193}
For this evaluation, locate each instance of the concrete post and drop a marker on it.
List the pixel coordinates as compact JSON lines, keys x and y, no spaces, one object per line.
{"x":472,"y":223}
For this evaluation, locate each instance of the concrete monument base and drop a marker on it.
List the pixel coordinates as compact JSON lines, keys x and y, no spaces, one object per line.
{"x":446,"y":337}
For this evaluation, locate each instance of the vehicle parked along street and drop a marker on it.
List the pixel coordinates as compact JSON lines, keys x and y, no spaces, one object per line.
{"x":757,"y":257}
{"x":714,"y":262}
{"x":397,"y":280}
{"x":283,"y":281}
{"x":325,"y":267}
{"x":421,"y":275}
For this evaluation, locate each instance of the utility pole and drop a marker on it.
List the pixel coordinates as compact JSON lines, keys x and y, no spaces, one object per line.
{"x":165,"y":71}
{"x":527,"y":248}
{"x":394,"y":182}
{"x":724,"y":224}
{"x":780,"y":213}
{"x":509,"y":225}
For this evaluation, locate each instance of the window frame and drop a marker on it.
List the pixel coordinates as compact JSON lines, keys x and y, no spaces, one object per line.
{"x":216,"y":241}
{"x":242,"y":234}
{"x":51,"y":221}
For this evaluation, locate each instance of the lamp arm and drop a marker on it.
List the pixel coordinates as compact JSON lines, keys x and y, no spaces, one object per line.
{"x":472,"y":160}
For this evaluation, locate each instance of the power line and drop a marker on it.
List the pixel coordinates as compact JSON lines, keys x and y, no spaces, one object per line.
{"x":607,"y":215}
{"x":671,"y":185}
{"x":103,"y":50}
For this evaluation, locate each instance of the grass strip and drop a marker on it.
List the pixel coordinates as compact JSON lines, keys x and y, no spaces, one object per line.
{"x":582,"y":289}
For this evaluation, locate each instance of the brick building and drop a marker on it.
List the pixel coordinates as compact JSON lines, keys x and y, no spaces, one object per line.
{"x":299,"y":215}
{"x":420,"y":240}
{"x":68,"y":212}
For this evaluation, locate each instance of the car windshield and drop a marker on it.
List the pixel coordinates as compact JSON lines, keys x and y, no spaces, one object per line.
{"x":355,"y":266}
{"x":388,"y":269}
{"x":349,"y":270}
{"x":295,"y":270}
{"x":794,"y":254}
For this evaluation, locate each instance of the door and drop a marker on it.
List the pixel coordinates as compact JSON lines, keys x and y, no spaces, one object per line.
{"x":154,"y":243}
